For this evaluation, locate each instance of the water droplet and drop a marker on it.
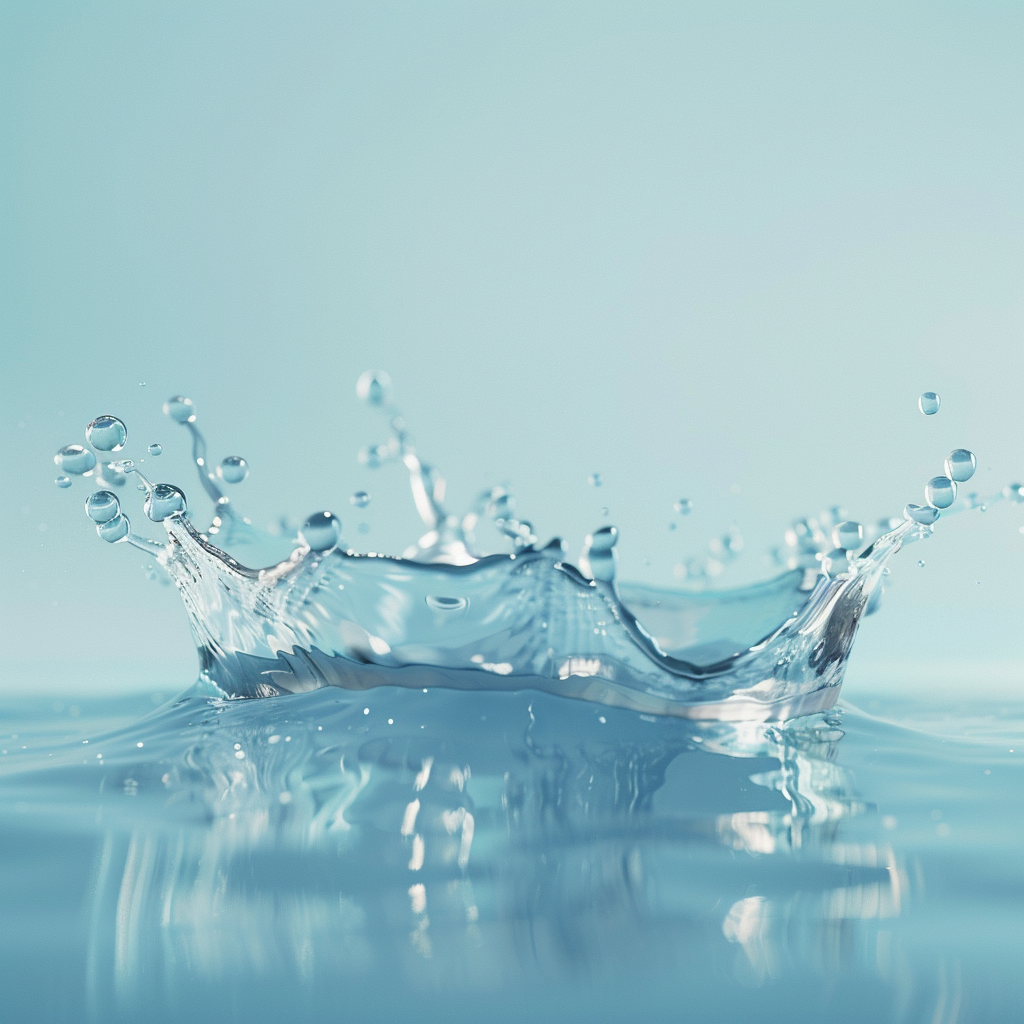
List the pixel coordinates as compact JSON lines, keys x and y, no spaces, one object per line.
{"x":929,"y":403}
{"x":111,"y":475}
{"x":233,"y":469}
{"x":683,"y":506}
{"x":75,"y":459}
{"x":502,"y":504}
{"x":836,"y":562}
{"x":595,"y":479}
{"x":923,"y":514}
{"x":124,"y":466}
{"x":114,"y":529}
{"x":847,"y":535}
{"x":63,"y":481}
{"x":940,"y":491}
{"x":363,"y":527}
{"x":360,"y":499}
{"x":321,"y":531}
{"x":163,"y":501}
{"x":106,"y":434}
{"x":180,"y":409}
{"x":446,"y":604}
{"x":960,"y":465}
{"x":102,"y":506}
{"x":374,"y":387}
{"x":373,"y":456}
{"x":1015,"y":492}
{"x":155,"y":449}
{"x":920,"y":563}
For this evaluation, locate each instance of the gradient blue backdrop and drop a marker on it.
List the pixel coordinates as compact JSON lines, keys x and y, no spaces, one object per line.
{"x":712,"y":250}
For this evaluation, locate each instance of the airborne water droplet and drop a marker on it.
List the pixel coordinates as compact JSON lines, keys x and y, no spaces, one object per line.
{"x":595,"y":479}
{"x":163,"y":501}
{"x":960,"y":465}
{"x":106,"y":434}
{"x":940,"y":491}
{"x":374,"y":387}
{"x":75,"y":459}
{"x":233,"y":469}
{"x":683,"y":506}
{"x":114,"y":529}
{"x":929,"y":403}
{"x":321,"y":531}
{"x":180,"y":409}
{"x":923,"y":514}
{"x":155,"y":449}
{"x":360,"y":499}
{"x":63,"y":481}
{"x":102,"y":506}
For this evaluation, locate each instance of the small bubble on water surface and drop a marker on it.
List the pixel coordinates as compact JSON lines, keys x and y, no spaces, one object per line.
{"x":374,"y":387}
{"x":360,"y":499}
{"x":960,"y":465}
{"x":446,"y":604}
{"x":102,"y":506}
{"x":180,"y":409}
{"x":929,"y":403}
{"x":114,"y":530}
{"x":924,"y":514}
{"x":155,"y":449}
{"x":63,"y":481}
{"x":940,"y":491}
{"x":163,"y":501}
{"x":233,"y":469}
{"x":75,"y":459}
{"x":683,"y":506}
{"x":107,"y":434}
{"x":321,"y":531}
{"x":595,"y":479}
{"x":847,"y":535}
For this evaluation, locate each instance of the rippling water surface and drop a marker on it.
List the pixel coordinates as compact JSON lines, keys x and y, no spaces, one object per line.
{"x":450,"y":855}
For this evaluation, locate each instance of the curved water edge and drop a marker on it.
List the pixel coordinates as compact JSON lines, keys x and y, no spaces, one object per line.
{"x":446,"y":614}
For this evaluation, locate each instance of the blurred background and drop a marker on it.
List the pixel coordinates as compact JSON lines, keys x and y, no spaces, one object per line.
{"x":711,"y":251}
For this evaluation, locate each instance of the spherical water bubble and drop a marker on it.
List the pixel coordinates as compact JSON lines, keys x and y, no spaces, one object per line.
{"x":683,"y":506}
{"x":374,"y":387}
{"x":360,"y":499}
{"x":321,"y":531}
{"x":960,"y":465}
{"x":102,"y":506}
{"x":107,"y":434}
{"x":155,"y":449}
{"x":923,"y":514}
{"x":180,"y":409}
{"x":847,"y":535}
{"x":940,"y":491}
{"x":63,"y":481}
{"x":163,"y":501}
{"x":75,"y":459}
{"x":114,"y":529}
{"x":929,"y":403}
{"x":233,"y":469}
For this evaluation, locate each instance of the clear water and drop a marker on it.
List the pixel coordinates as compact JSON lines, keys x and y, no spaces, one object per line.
{"x":506,"y":783}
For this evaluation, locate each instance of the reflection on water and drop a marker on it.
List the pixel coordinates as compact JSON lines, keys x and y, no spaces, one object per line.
{"x":398,"y":843}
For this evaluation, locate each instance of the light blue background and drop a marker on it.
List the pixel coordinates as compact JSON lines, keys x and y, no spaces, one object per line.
{"x":700,"y":248}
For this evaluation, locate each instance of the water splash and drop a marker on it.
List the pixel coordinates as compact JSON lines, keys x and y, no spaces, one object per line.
{"x":451,"y":614}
